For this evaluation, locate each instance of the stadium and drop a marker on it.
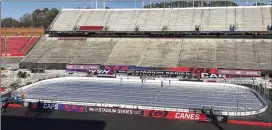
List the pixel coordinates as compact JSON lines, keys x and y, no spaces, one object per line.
{"x":199,"y":66}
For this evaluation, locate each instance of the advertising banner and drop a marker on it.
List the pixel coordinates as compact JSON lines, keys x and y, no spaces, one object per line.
{"x":249,"y":73}
{"x":157,"y":73}
{"x":41,"y":105}
{"x":114,"y":110}
{"x":103,"y":72}
{"x":14,"y":105}
{"x":197,"y":72}
{"x":116,"y":67}
{"x":49,"y":106}
{"x":72,"y":108}
{"x":179,"y":69}
{"x":175,"y":115}
{"x":193,"y":70}
{"x":82,"y":67}
{"x":194,"y":116}
{"x":205,"y":73}
{"x":148,"y":68}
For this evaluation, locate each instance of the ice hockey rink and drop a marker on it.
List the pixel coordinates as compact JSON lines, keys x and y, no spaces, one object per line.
{"x":166,"y":94}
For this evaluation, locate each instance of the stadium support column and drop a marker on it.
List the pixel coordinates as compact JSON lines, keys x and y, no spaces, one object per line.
{"x":104,"y":4}
{"x":143,"y":4}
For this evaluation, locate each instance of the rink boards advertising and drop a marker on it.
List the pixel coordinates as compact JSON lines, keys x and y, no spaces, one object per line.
{"x":193,"y":115}
{"x":162,"y":71}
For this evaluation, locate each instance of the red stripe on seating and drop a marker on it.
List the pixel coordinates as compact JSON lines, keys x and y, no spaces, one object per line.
{"x":266,"y":124}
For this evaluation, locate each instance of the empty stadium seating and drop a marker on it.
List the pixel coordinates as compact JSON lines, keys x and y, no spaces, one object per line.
{"x":66,"y":20}
{"x":17,"y":46}
{"x":40,"y":49}
{"x":133,"y":52}
{"x":100,"y":50}
{"x":198,"y":52}
{"x":28,"y":46}
{"x":159,"y":52}
{"x":2,"y":45}
{"x":183,"y":19}
{"x":14,"y":48}
{"x":91,"y":28}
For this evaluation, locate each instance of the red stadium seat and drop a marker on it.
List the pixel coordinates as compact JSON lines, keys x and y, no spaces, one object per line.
{"x":31,"y":42}
{"x":2,"y":44}
{"x":91,"y":28}
{"x":3,"y":89}
{"x":16,"y":44}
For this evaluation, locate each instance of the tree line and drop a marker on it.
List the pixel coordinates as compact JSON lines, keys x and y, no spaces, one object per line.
{"x":38,"y":18}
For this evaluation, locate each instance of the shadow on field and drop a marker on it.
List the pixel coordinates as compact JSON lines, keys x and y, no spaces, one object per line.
{"x":17,"y":123}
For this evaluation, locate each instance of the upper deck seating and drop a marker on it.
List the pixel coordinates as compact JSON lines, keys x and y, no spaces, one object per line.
{"x":252,"y":18}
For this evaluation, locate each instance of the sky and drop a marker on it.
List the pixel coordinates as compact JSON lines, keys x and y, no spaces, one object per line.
{"x":17,"y":9}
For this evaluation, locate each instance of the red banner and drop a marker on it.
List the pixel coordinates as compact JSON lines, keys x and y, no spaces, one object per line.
{"x":175,"y":115}
{"x":15,"y":105}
